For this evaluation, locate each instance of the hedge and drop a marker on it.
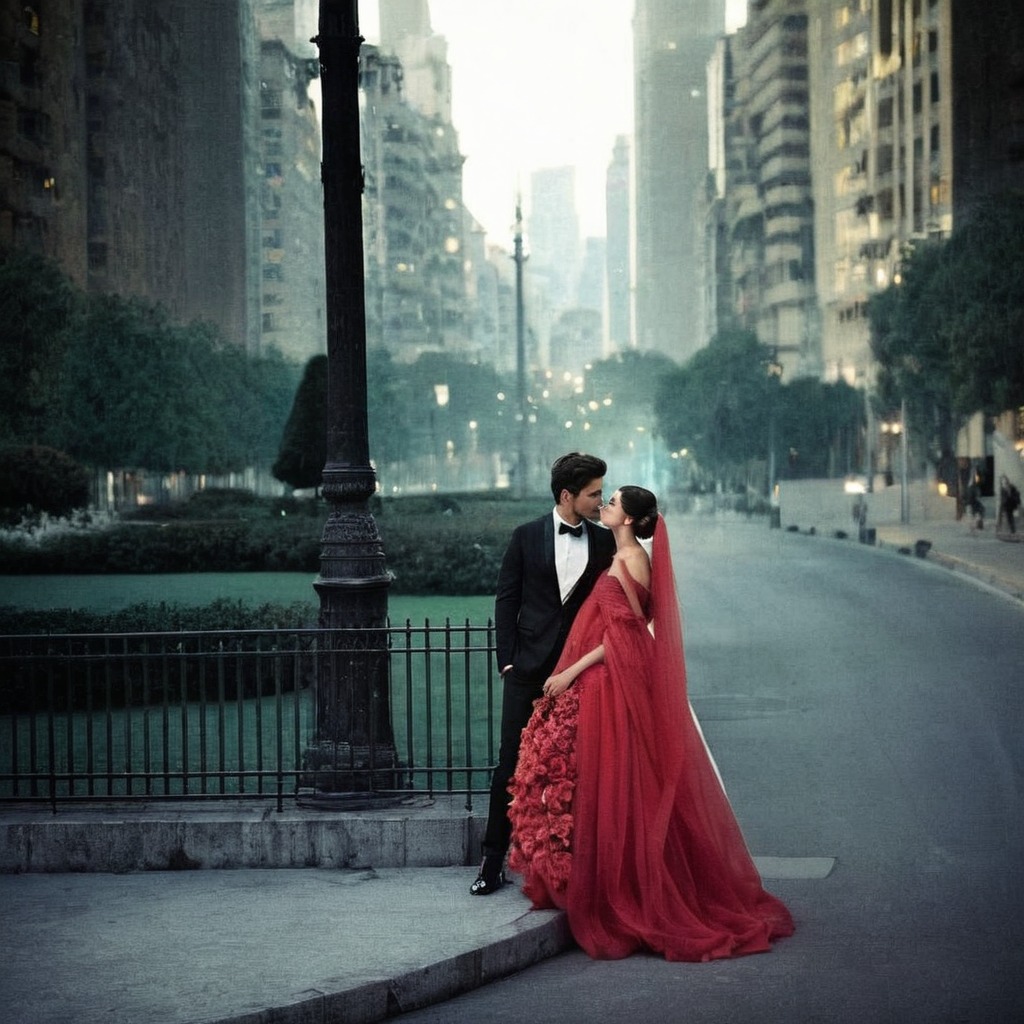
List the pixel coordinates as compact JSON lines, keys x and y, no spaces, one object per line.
{"x":433,"y":545}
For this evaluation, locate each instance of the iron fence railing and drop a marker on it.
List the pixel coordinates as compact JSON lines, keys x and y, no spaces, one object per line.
{"x":232,"y":714}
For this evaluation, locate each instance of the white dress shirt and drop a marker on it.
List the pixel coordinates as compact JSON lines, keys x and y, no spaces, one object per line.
{"x":571,"y":555}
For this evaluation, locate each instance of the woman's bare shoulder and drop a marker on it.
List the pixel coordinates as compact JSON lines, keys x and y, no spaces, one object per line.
{"x":635,"y":562}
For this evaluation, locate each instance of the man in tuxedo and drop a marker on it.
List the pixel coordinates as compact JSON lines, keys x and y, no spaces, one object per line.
{"x":550,"y":566}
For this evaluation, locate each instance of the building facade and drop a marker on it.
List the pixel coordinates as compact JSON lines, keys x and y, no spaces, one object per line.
{"x":882,"y":147}
{"x":673,"y":40}
{"x":413,"y":220}
{"x":292,"y":272}
{"x":771,"y":59}
{"x":132,"y":151}
{"x":553,"y":229}
{"x":618,"y":246}
{"x":43,"y":204}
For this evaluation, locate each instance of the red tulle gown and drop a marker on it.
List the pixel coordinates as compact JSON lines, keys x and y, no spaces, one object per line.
{"x":618,"y":814}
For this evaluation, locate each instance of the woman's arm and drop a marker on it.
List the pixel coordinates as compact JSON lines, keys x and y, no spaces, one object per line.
{"x":561,"y":682}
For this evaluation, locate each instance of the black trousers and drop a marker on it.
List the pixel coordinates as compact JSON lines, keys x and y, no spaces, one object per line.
{"x":516,"y":707}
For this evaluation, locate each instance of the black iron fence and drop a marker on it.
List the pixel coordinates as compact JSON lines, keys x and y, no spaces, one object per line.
{"x":217,"y":714}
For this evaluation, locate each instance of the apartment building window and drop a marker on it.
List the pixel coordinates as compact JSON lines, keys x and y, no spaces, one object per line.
{"x":34,"y":126}
{"x":885,"y":112}
{"x":917,"y":100}
{"x":96,"y":63}
{"x":270,"y":102}
{"x":28,"y":70}
{"x":935,"y":87}
{"x":885,"y":27}
{"x":269,"y":323}
{"x":97,"y":255}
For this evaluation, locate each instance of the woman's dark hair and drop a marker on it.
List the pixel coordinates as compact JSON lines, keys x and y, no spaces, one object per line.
{"x":574,"y":471}
{"x":642,"y":506}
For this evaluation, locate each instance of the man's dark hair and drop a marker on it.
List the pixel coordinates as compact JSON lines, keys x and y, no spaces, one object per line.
{"x":574,"y":471}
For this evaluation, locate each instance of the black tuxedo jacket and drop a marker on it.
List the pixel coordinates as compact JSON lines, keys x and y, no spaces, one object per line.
{"x":530,"y":620}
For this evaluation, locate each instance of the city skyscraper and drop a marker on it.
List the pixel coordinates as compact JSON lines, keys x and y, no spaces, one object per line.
{"x":673,"y":40}
{"x":291,"y":203}
{"x":618,"y":247}
{"x":554,"y":235}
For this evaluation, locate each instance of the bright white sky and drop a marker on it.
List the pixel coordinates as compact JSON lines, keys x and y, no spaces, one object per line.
{"x":535,"y":84}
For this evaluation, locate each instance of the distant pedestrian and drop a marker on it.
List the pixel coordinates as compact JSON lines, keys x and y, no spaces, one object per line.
{"x":1009,"y":502}
{"x":973,"y":502}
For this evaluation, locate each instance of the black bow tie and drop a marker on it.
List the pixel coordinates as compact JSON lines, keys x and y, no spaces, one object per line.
{"x":576,"y":531}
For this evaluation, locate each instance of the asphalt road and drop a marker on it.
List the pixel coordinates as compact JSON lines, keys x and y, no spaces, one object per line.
{"x":862,"y":706}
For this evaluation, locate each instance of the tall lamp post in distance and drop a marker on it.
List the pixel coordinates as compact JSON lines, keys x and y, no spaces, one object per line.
{"x":899,"y":429}
{"x":520,"y":259}
{"x":774,"y":370}
{"x":904,"y":455}
{"x":353,"y":751}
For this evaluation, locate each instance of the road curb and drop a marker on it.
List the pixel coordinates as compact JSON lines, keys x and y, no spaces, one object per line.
{"x":536,"y":936}
{"x":977,"y":573}
{"x":969,"y":570}
{"x":127,"y":839}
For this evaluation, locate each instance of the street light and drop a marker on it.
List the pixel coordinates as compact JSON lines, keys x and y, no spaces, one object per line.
{"x":898,"y":429}
{"x":353,"y":751}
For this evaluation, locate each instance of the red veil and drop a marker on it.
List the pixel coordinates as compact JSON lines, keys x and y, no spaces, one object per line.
{"x":658,"y":858}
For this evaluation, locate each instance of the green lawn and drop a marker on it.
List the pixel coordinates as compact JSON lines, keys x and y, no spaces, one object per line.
{"x":170,"y":743}
{"x":440,"y":709}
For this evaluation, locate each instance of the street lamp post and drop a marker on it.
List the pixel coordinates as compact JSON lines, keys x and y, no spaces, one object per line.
{"x":775,"y":370}
{"x":353,"y":751}
{"x":519,"y":259}
{"x":904,"y":482}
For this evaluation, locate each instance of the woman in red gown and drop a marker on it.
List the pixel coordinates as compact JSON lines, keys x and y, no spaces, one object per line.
{"x":618,"y":814}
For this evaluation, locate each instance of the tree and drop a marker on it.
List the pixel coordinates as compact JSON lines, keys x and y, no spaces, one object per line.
{"x":303,"y":452}
{"x":38,"y":309}
{"x":387,"y":409}
{"x":139,"y":392}
{"x":41,"y":478}
{"x":719,"y":405}
{"x":255,"y":398}
{"x":817,"y":428}
{"x":631,"y":376}
{"x":948,"y":336}
{"x":986,"y":260}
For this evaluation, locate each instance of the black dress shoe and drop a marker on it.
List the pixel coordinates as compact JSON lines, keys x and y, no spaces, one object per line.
{"x":490,"y":879}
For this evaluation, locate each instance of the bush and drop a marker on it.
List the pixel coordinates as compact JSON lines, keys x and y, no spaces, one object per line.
{"x":35,"y":478}
{"x":433,"y":545}
{"x":147,"y":617}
